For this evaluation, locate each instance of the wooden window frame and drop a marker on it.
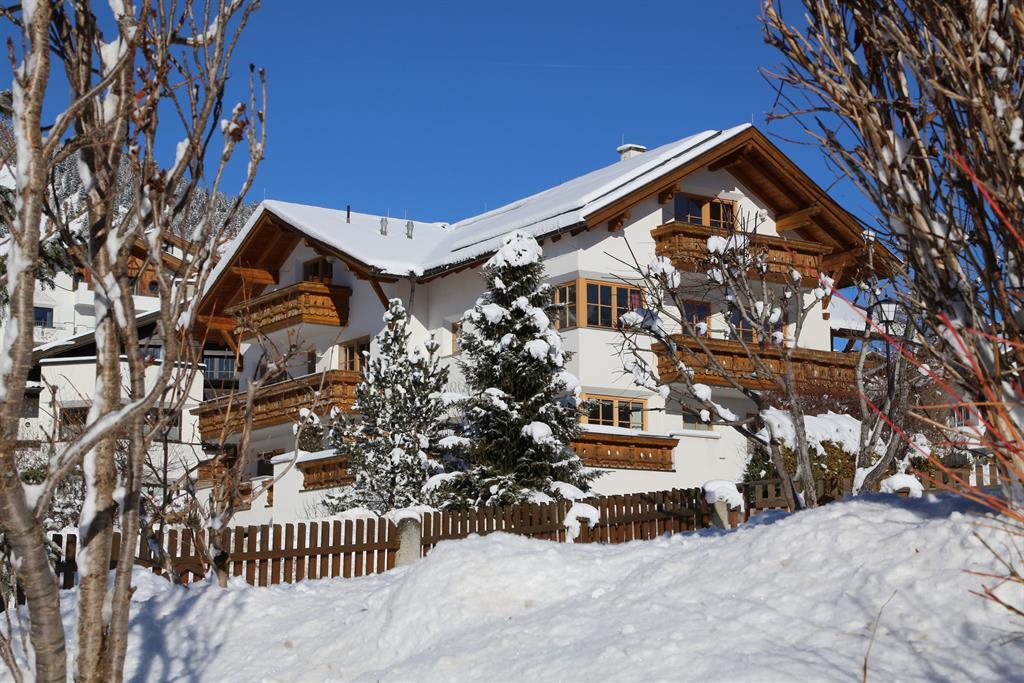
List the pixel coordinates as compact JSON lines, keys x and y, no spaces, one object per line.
{"x":615,"y":409}
{"x":708,"y":427}
{"x":352,"y":343}
{"x":705,"y":210}
{"x":575,"y":304}
{"x":324,"y":263}
{"x":456,"y":329}
{"x":697,"y":302}
{"x":581,"y":293}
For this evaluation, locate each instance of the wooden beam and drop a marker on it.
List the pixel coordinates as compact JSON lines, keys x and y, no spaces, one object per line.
{"x":379,"y":291}
{"x":731,"y":159}
{"x":796,"y":219}
{"x":618,"y":222}
{"x":256,"y":276}
{"x":218,"y":322}
{"x":229,"y":339}
{"x":841,"y":260}
{"x":668,"y":194}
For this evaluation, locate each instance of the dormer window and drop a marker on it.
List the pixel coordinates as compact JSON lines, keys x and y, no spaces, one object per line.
{"x":708,"y":211}
{"x":318,"y":270}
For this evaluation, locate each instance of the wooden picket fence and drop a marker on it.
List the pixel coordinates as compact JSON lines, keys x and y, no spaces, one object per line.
{"x":766,"y":494}
{"x":264,"y":555}
{"x":272,"y":554}
{"x":631,"y":517}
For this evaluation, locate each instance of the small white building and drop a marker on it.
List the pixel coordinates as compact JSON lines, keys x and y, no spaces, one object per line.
{"x":317,"y":280}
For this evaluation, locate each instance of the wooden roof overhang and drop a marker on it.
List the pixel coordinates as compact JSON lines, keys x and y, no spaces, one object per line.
{"x":803,"y":210}
{"x":257,"y":262}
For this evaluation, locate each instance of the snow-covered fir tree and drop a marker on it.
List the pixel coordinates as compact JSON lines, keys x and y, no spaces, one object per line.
{"x":523,"y":408}
{"x":393,"y":443}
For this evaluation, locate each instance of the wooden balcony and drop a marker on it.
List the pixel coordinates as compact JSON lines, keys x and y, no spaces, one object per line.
{"x":278,"y":403}
{"x":625,"y":451}
{"x":325,"y":473}
{"x":812,"y":368}
{"x":309,"y":303}
{"x":686,"y":245}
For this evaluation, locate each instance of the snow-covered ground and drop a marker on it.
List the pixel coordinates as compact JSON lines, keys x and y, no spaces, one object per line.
{"x":786,"y":598}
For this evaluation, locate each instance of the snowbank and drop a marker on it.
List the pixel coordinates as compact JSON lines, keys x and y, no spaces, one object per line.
{"x":900,"y":482}
{"x":784,"y":598}
{"x":839,"y":428}
{"x":725,"y":491}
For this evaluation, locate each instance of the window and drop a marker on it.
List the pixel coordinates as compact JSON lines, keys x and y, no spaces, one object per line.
{"x":716,"y":213}
{"x":219,"y":367}
{"x":693,"y":422}
{"x":696,"y":312}
{"x":743,"y":329}
{"x":352,"y":355}
{"x":616,"y":412}
{"x":72,"y":422}
{"x":721,"y":215}
{"x":172,"y":427}
{"x":607,"y":302}
{"x":30,"y":404}
{"x":962,"y":416}
{"x":318,"y":270}
{"x":264,"y":463}
{"x":43,"y":317}
{"x":456,"y":337}
{"x":311,"y":362}
{"x":565,"y":299}
{"x":152,"y":353}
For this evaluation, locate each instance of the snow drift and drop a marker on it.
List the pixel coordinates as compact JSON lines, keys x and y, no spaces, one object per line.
{"x":787,"y":597}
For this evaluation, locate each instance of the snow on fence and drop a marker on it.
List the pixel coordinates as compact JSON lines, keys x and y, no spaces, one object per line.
{"x":638,"y":516}
{"x":272,"y":554}
{"x":766,"y":494}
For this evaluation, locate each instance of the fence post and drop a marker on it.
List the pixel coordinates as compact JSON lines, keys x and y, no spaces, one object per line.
{"x":720,"y":515}
{"x":410,"y":536}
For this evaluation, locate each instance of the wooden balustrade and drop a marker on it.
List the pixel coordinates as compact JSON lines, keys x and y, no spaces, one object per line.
{"x":310,"y":303}
{"x":278,"y":403}
{"x":325,"y":473}
{"x":625,"y":451}
{"x":811,"y":367}
{"x":686,"y":245}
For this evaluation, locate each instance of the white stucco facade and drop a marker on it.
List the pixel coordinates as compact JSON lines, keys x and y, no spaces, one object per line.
{"x":596,"y":255}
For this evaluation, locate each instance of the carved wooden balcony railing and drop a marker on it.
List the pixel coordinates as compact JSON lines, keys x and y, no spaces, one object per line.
{"x":811,"y":367}
{"x":278,"y":403}
{"x":310,"y":303}
{"x":325,"y":473}
{"x":686,"y":245}
{"x":625,"y":451}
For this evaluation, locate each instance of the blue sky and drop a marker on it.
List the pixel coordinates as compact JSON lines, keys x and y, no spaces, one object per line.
{"x":440,"y":110}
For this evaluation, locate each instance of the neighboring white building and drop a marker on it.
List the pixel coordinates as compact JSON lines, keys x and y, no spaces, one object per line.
{"x":62,"y":379}
{"x":317,"y":280}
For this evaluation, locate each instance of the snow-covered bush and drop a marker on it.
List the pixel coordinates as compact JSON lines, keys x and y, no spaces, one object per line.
{"x":393,"y":445}
{"x":523,"y":408}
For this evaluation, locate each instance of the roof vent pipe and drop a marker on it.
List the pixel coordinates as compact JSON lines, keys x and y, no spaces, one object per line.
{"x":408,"y":229}
{"x":348,"y":213}
{"x":384,"y":225}
{"x":630,"y":150}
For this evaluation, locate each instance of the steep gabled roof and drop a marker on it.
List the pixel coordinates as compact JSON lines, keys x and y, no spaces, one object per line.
{"x":802,"y":210}
{"x":441,"y":245}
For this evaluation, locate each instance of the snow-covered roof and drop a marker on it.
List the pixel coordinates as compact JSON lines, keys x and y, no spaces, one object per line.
{"x":303,"y":456}
{"x":844,"y":316}
{"x":438,"y":245}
